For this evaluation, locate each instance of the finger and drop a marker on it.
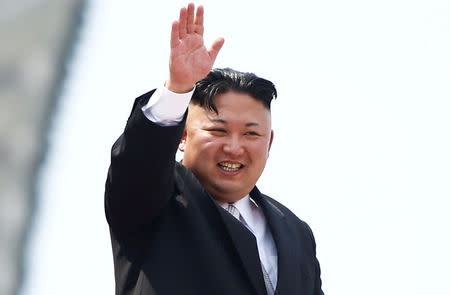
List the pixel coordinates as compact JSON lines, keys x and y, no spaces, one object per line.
{"x":190,"y":18}
{"x":174,"y":35}
{"x":215,"y":48}
{"x":198,"y":28}
{"x":182,"y":23}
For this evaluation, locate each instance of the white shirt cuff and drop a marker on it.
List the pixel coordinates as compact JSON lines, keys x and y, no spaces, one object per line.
{"x":167,"y":108}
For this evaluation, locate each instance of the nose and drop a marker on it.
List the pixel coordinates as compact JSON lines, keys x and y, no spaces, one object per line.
{"x":233,"y":146}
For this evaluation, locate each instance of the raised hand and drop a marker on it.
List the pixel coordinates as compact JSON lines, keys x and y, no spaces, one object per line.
{"x":190,"y":61}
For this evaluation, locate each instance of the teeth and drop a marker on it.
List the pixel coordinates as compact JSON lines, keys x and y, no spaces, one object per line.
{"x":230,"y":166}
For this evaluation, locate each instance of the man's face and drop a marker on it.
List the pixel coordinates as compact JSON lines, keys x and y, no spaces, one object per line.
{"x":227,"y":151}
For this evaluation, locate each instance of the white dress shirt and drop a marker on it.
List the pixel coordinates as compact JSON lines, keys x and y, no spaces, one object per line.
{"x":167,"y":108}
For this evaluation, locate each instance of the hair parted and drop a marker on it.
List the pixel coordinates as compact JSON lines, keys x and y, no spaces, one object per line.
{"x":220,"y":81}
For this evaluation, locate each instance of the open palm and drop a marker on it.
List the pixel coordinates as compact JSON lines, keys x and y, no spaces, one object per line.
{"x":190,"y":61}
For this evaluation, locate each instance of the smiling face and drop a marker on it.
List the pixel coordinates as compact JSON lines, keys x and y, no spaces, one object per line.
{"x":228,"y":151}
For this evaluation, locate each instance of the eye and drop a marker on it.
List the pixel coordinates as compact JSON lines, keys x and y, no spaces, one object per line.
{"x":217,"y":131}
{"x":252,"y":133}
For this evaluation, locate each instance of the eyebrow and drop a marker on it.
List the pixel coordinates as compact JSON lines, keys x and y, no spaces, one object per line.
{"x":249,"y":124}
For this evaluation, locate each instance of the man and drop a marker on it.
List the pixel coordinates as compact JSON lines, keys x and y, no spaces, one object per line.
{"x":202,"y":227}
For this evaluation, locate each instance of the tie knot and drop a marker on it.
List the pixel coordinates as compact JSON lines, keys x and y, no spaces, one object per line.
{"x":233,"y":211}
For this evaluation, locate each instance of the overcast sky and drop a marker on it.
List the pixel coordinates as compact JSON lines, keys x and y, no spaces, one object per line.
{"x":362,"y":134}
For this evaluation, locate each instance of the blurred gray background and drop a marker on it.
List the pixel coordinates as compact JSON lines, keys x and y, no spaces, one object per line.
{"x":37,"y":39}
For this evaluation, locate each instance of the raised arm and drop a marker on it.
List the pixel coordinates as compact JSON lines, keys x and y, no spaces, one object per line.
{"x":190,"y":61}
{"x":140,"y":178}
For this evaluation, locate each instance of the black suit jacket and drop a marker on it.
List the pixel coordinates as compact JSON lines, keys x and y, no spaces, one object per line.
{"x":170,"y":237}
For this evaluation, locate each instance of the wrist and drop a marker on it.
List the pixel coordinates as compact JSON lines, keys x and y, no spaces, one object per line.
{"x":179,"y":87}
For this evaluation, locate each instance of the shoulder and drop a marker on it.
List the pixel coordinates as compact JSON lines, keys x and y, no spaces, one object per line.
{"x":292,"y":219}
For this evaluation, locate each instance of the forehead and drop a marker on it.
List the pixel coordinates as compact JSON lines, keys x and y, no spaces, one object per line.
{"x":233,"y":107}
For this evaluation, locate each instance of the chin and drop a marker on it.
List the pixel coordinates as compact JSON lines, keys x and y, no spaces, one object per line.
{"x":232,"y":195}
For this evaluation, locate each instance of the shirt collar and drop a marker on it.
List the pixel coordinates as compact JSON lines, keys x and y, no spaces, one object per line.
{"x":245,"y":206}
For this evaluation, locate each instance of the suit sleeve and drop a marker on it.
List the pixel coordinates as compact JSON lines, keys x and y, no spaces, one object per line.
{"x":140,"y":177}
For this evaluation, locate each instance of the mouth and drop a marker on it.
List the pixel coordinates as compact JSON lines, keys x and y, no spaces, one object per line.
{"x":230,"y":167}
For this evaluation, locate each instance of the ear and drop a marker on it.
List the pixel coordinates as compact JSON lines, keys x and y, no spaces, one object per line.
{"x":271,"y":139}
{"x":182,"y":144}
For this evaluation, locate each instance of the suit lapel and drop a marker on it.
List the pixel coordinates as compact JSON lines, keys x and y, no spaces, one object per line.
{"x":288,"y":249}
{"x":245,"y":243}
{"x":243,"y":240}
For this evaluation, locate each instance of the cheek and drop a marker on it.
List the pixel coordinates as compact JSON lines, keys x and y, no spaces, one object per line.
{"x":259,"y":150}
{"x":205,"y":145}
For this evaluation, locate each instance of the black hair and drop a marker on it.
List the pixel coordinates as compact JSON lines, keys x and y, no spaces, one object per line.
{"x":220,"y":81}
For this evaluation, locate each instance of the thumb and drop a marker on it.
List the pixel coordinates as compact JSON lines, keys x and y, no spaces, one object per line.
{"x":215,"y":48}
